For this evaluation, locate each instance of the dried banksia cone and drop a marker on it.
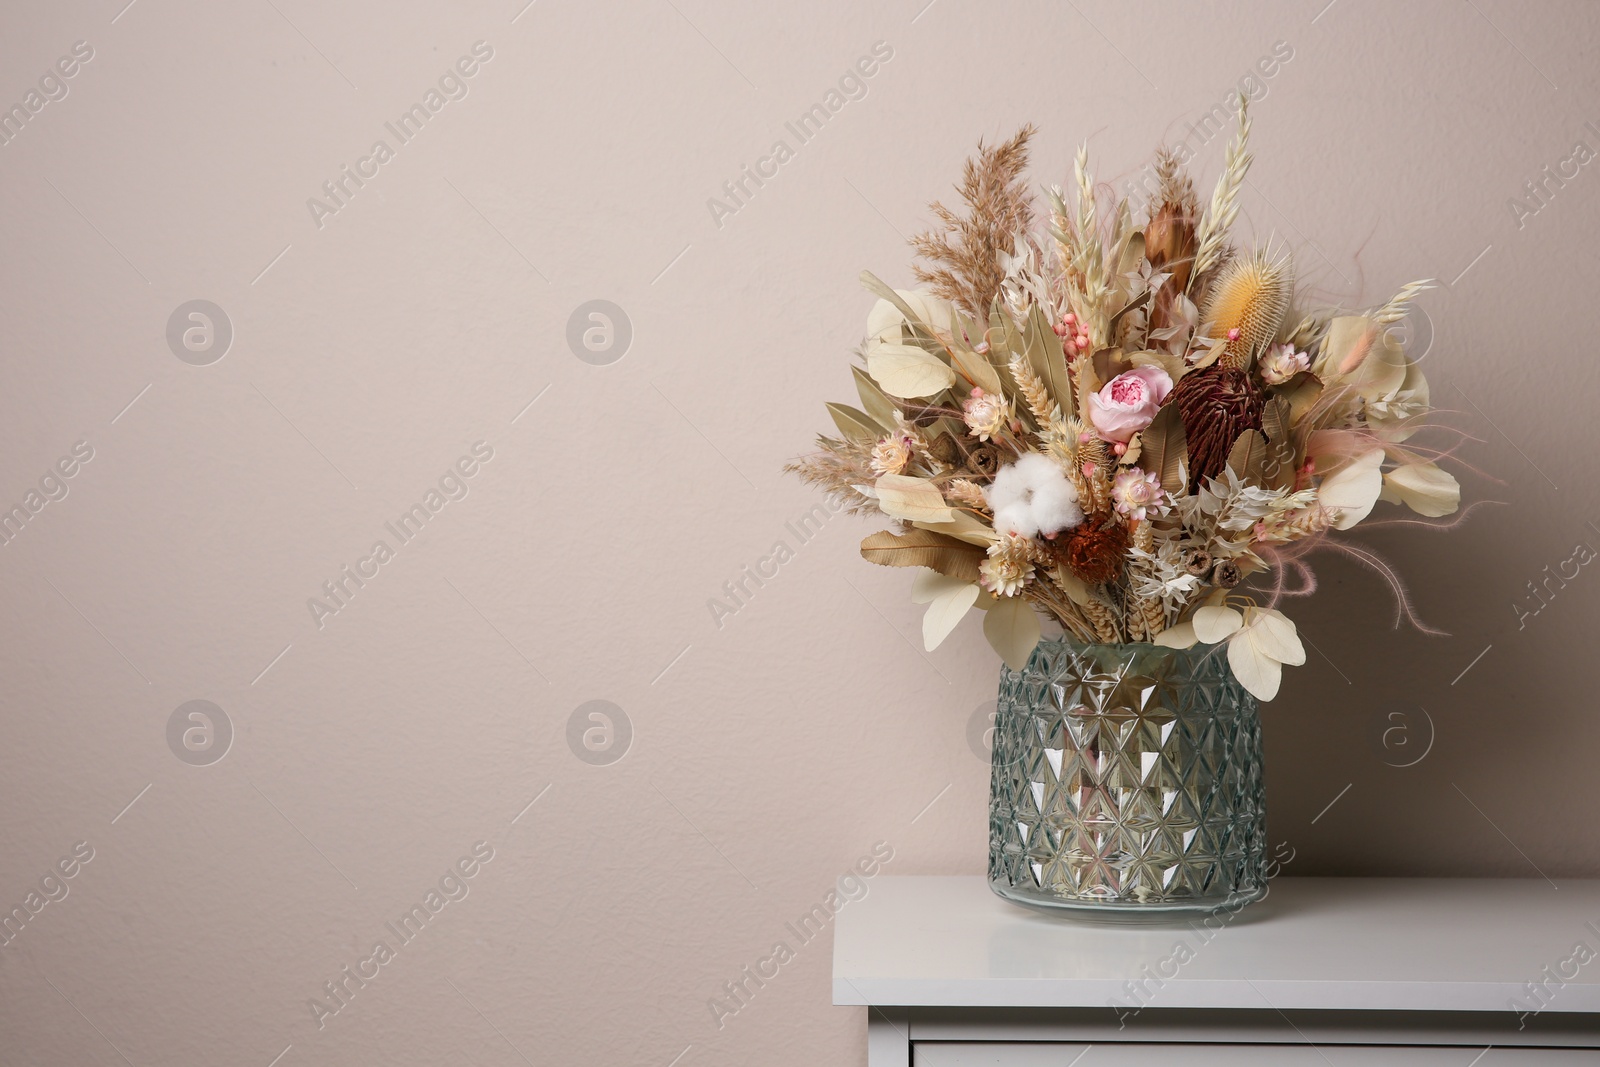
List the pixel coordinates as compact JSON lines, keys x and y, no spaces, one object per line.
{"x":1096,"y":550}
{"x":1216,"y":404}
{"x":1246,"y":304}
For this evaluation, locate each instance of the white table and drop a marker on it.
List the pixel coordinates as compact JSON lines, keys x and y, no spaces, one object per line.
{"x":1340,"y":971}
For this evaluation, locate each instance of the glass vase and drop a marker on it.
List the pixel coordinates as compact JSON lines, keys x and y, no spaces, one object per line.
{"x":1126,"y":784}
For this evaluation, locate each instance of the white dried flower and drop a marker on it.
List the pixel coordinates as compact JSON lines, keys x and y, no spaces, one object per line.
{"x":986,"y":414}
{"x":1033,"y":497}
{"x":1280,"y":363}
{"x":891,"y":454}
{"x":1007,"y":568}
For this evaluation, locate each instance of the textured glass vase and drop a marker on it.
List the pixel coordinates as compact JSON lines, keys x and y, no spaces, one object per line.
{"x":1126,"y":784}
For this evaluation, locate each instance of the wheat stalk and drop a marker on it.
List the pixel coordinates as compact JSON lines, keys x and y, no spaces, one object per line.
{"x":966,"y":492}
{"x":1035,"y":392}
{"x":1400,"y":303}
{"x":1224,"y":205}
{"x":1103,"y":619}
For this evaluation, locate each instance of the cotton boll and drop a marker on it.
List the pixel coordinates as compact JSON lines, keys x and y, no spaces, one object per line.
{"x":1033,"y":496}
{"x":1016,"y":519}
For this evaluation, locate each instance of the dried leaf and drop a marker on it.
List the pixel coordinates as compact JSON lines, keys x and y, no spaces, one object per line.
{"x":945,"y":611}
{"x":1161,"y":448}
{"x":908,"y":372}
{"x":874,"y":400}
{"x":1353,"y":488}
{"x":1049,"y":362}
{"x":922,"y":548}
{"x":1423,"y":488}
{"x":1282,"y":457}
{"x":1248,"y":456}
{"x":854,"y":424}
{"x":1012,"y":627}
{"x":901,"y":496}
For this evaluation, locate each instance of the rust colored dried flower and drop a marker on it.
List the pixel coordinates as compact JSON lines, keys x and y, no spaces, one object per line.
{"x":1096,"y":550}
{"x":1226,"y":574}
{"x":1216,"y":404}
{"x":1197,"y":561}
{"x":984,"y":459}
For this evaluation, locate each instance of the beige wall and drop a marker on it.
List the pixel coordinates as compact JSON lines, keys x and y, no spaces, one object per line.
{"x":768,"y":753}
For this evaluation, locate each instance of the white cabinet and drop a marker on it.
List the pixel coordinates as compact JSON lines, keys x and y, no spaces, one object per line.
{"x":1000,"y":1054}
{"x":1322,"y":973}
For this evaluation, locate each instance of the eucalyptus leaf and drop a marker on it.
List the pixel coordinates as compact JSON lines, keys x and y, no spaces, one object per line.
{"x":900,"y":496}
{"x":854,"y":424}
{"x":874,"y":400}
{"x":1012,"y":627}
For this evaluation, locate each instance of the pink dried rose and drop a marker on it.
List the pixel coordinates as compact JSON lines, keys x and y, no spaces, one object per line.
{"x":1128,"y":402}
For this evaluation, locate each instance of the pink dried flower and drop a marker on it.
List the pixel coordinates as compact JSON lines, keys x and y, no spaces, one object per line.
{"x":985,"y":414}
{"x":1128,"y":402}
{"x":1280,"y":363}
{"x":1137,"y":493}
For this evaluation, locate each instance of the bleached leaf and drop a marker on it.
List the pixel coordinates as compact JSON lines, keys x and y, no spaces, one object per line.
{"x":1423,"y":488}
{"x":963,"y":526}
{"x":1214,"y":622}
{"x":945,"y":611}
{"x":1179,"y":636}
{"x":906,"y":371}
{"x":900,"y":496}
{"x":1259,"y":673}
{"x":1353,"y":488}
{"x":1274,"y":635}
{"x":930,"y":585}
{"x":1012,"y":627}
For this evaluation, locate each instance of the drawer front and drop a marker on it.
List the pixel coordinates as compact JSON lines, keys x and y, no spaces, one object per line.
{"x":1062,"y":1054}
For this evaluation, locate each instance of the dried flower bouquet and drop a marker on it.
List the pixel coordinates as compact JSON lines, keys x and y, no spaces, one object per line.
{"x":1116,"y":423}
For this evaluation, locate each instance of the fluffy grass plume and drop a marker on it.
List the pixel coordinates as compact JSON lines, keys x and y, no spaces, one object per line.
{"x":964,"y":251}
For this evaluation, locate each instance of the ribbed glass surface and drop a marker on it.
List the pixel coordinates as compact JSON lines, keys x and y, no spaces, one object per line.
{"x":1126,"y":783}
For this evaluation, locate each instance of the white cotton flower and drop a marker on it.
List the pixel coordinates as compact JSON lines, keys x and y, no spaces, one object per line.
{"x":1032,"y":497}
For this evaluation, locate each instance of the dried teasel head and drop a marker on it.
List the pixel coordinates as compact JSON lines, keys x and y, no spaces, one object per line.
{"x":1096,"y":550}
{"x":1246,"y":304}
